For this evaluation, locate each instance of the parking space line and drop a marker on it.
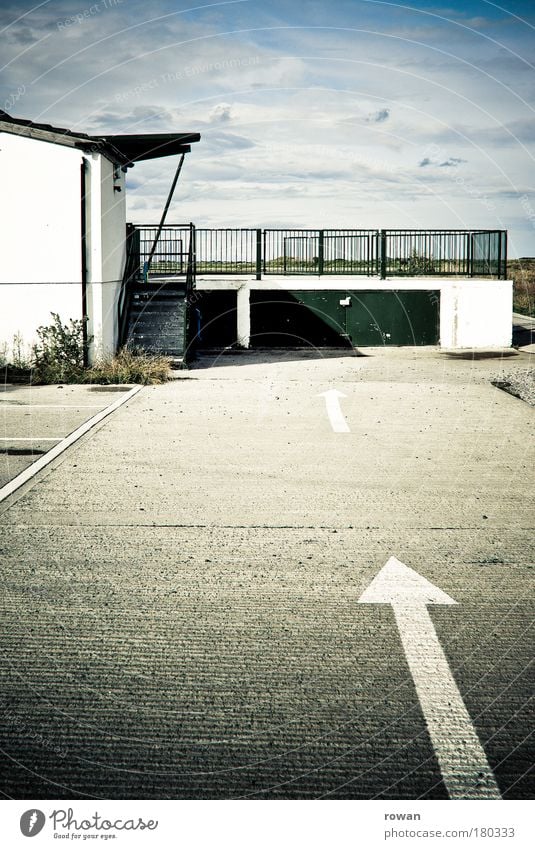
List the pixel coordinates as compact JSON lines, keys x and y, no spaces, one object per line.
{"x":23,"y":406}
{"x":26,"y":475}
{"x":31,"y":438}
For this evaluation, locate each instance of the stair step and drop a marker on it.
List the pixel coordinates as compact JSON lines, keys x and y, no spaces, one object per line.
{"x":160,"y":323}
{"x":158,"y":308}
{"x":156,"y":342}
{"x":164,"y":294}
{"x":158,"y":318}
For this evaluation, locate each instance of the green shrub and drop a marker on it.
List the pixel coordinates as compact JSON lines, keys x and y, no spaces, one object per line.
{"x":58,"y":355}
{"x":3,"y":355}
{"x":20,"y":359}
{"x":522,"y":272}
{"x":418,"y":264}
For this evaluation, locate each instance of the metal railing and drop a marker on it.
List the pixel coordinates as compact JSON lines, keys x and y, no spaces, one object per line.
{"x":229,"y":251}
{"x":170,"y":255}
{"x":381,"y":253}
{"x":463,"y":253}
{"x":319,"y":252}
{"x":130,"y":276}
{"x":173,"y":257}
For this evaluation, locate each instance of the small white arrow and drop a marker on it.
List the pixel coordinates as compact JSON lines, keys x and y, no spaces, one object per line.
{"x":332,"y":403}
{"x":463,"y":763}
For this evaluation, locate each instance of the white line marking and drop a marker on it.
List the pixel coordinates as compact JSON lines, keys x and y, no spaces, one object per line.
{"x":31,"y":438}
{"x":50,"y":406}
{"x":332,"y":404}
{"x":65,"y":443}
{"x":465,"y":769}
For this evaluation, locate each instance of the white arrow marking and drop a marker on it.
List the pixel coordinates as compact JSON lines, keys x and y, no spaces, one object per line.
{"x":336,"y":417}
{"x":463,"y":763}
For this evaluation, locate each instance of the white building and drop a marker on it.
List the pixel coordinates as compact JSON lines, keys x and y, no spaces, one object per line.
{"x":63,"y":225}
{"x":63,"y":250}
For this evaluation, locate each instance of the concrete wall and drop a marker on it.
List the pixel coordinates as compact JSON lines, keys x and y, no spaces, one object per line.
{"x":40,"y":240}
{"x":477,"y":314}
{"x":474,"y":313}
{"x":39,"y":236}
{"x":106,"y":223}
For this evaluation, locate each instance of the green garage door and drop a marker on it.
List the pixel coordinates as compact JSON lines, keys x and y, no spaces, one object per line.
{"x":388,"y":317}
{"x":284,"y":319}
{"x":330,"y":318}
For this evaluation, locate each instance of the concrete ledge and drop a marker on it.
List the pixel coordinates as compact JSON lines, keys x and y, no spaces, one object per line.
{"x":474,"y":312}
{"x":337,"y":281}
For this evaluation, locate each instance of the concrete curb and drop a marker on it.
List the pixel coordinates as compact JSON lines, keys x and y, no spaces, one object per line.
{"x":27,"y":474}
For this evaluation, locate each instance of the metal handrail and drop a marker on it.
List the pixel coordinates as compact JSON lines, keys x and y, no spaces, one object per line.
{"x":398,"y":252}
{"x":130,"y":275}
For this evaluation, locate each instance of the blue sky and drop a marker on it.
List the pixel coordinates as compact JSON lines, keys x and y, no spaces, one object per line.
{"x":360,"y":113}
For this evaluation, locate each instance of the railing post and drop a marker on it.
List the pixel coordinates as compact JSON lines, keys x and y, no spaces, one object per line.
{"x":469,"y":255}
{"x":192,"y":257}
{"x":382,"y":254}
{"x":259,"y":254}
{"x":321,"y":245}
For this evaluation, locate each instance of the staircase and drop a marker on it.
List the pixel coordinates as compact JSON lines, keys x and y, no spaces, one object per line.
{"x":157,"y":320}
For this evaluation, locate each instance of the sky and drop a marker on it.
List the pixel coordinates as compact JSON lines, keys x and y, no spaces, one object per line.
{"x":348,"y":113}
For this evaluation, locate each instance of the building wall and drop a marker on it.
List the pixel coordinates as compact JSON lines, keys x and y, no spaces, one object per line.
{"x":474,"y":313}
{"x":106,"y":223}
{"x":478,"y":314}
{"x":40,"y":240}
{"x":39,"y":236}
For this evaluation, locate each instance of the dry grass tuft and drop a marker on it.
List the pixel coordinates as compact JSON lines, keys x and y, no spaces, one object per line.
{"x":129,"y":366}
{"x":522,"y":273}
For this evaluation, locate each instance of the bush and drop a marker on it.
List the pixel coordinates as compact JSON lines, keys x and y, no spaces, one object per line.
{"x":130,"y":366}
{"x":58,"y":356}
{"x":522,"y":272}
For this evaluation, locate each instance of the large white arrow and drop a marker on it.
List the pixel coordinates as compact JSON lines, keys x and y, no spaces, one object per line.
{"x":463,"y":763}
{"x":332,"y":403}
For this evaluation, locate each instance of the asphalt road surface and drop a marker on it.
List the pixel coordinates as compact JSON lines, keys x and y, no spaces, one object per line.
{"x":181,"y":588}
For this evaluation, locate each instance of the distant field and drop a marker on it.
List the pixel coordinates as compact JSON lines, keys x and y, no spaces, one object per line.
{"x":522,"y":273}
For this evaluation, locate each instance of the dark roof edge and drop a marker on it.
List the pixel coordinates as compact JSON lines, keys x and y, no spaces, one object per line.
{"x":120,"y":149}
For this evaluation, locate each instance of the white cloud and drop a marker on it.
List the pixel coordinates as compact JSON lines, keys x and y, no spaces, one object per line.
{"x":220,"y":113}
{"x":379,"y":116}
{"x":307,"y":112}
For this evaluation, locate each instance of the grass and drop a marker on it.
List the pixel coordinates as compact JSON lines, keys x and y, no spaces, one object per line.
{"x":126,"y":367}
{"x":129,"y":366}
{"x":522,"y":273}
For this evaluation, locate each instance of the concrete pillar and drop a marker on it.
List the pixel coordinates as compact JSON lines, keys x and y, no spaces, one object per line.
{"x":94,"y":257}
{"x":448,"y":315}
{"x":244,"y":316}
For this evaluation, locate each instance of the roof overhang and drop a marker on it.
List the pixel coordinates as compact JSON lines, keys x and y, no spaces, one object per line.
{"x":123,"y":150}
{"x":137,"y":148}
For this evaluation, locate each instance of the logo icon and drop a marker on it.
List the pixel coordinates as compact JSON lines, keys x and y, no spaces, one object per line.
{"x":31,"y":822}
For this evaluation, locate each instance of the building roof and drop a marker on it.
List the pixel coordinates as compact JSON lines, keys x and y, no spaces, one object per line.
{"x":122,"y":149}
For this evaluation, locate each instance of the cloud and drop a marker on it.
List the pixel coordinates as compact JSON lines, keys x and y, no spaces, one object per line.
{"x":226,"y":141}
{"x":379,"y":116}
{"x":451,"y":162}
{"x":137,"y":119}
{"x":220,"y":114}
{"x":307,"y":111}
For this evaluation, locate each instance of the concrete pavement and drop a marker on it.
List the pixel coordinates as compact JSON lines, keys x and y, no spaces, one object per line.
{"x":181,"y":588}
{"x":35,"y":418}
{"x":524,"y":332}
